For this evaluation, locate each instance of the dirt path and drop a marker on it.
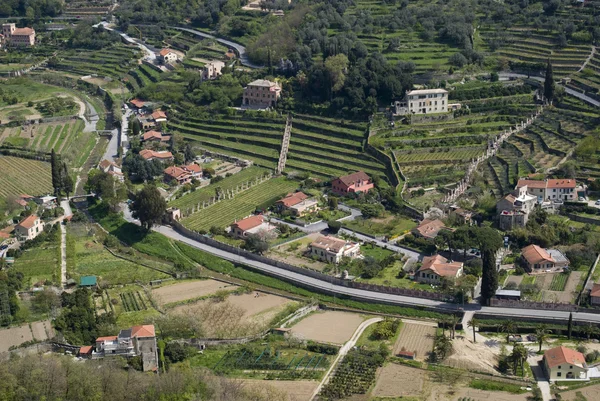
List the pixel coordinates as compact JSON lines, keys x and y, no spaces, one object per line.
{"x":63,"y":255}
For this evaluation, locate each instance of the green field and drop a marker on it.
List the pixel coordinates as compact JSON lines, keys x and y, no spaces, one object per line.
{"x":24,"y":176}
{"x":204,"y":194}
{"x":226,"y":212}
{"x":40,"y":264}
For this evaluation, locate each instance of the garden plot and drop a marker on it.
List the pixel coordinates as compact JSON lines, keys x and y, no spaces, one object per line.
{"x":293,"y":252}
{"x":395,"y":380}
{"x":415,"y":337}
{"x":475,"y":356}
{"x":328,"y":327}
{"x":42,"y":331}
{"x":24,"y":176}
{"x":480,"y":395}
{"x":590,"y":392}
{"x":180,"y":291}
{"x":561,"y":287}
{"x":297,"y":390}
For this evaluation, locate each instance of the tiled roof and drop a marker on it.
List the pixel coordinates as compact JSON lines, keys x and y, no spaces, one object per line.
{"x":329,"y":243}
{"x":249,"y":222}
{"x":146,"y":330}
{"x":137,"y":103}
{"x":159,"y":114}
{"x":262,"y":82}
{"x":595,"y":291}
{"x":426,"y":91}
{"x":164,"y":52}
{"x":430,"y":228}
{"x":85,"y":350}
{"x":351,"y":179}
{"x":23,"y":31}
{"x":292,"y":199}
{"x":440,"y":266}
{"x":561,"y":183}
{"x":193,"y":167}
{"x":559,"y":355}
{"x":175,"y":171}
{"x":535,"y":254}
{"x":151,"y":135}
{"x":150,"y":154}
{"x":28,"y":222}
{"x":106,"y":338}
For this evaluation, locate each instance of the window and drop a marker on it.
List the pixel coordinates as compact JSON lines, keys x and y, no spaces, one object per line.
{"x":570,"y":367}
{"x":559,"y":366}
{"x":559,"y":374}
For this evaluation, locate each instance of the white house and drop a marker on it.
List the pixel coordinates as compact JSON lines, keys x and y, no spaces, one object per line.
{"x":29,"y":228}
{"x":423,"y":101}
{"x":332,"y":250}
{"x":562,"y":363}
{"x":168,"y":56}
{"x":435,"y":268}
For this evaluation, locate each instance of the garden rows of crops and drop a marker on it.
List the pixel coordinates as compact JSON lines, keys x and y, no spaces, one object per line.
{"x":111,"y":62}
{"x":24,"y":176}
{"x":225,"y":212}
{"x":133,"y":301}
{"x":198,"y":196}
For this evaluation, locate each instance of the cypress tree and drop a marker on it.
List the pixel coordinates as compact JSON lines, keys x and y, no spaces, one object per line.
{"x":489,"y":277}
{"x":56,"y":173}
{"x":570,"y":325}
{"x":549,"y":83}
{"x":66,"y":180}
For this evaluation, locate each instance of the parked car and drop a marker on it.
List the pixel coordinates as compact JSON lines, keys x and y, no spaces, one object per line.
{"x":581,"y":199}
{"x":597,"y":203}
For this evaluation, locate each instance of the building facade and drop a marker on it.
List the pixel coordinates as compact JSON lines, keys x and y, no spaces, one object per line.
{"x":353,"y":183}
{"x":436,"y":268}
{"x":261,"y":94}
{"x":550,"y":189}
{"x":562,"y":363}
{"x":29,"y":228}
{"x":331,"y":249}
{"x":14,"y":36}
{"x":539,"y":259}
{"x":136,"y":341}
{"x":297,"y":203}
{"x":212,"y":70}
{"x":514,"y":209}
{"x":423,"y":101}
{"x":168,"y":56}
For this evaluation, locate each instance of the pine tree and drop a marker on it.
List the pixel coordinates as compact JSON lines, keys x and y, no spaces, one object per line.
{"x":549,"y":83}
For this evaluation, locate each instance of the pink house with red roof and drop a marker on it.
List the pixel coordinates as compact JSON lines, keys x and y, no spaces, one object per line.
{"x":355,"y":182}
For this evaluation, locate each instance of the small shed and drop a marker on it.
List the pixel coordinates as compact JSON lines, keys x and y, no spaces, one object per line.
{"x":514,"y":295}
{"x":88,"y":281}
{"x":86,"y":351}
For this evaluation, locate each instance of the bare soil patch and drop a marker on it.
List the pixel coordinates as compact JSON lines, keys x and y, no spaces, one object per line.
{"x":14,"y":336}
{"x":188,"y":290}
{"x":514,"y":279}
{"x":294,"y":252}
{"x":298,"y":390}
{"x":417,"y":338}
{"x":475,"y":356}
{"x":42,"y":330}
{"x":96,"y":81}
{"x":396,"y":380}
{"x":589,"y":392}
{"x":328,"y":327}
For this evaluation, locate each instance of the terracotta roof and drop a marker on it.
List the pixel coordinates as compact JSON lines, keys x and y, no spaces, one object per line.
{"x":150,"y":154}
{"x":329,"y":243}
{"x":107,"y":338}
{"x":137,"y":103}
{"x":28,"y":222}
{"x":352,"y":178}
{"x":531,"y":184}
{"x":146,"y":330}
{"x":426,"y":91}
{"x":535,"y":254}
{"x":159,"y":114}
{"x":559,"y":355}
{"x":151,"y":135}
{"x":23,"y":32}
{"x":440,"y":266}
{"x":292,"y":199}
{"x":193,"y":167}
{"x":595,"y":291}
{"x":430,"y":228}
{"x":85,"y":350}
{"x":175,"y":172}
{"x":561,"y":183}
{"x":4,"y":235}
{"x":164,"y":52}
{"x":25,"y":196}
{"x":249,"y":222}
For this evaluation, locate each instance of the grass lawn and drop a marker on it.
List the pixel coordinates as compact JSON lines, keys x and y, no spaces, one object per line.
{"x":389,"y":277}
{"x":40,"y":263}
{"x":374,"y":251}
{"x":389,"y":225}
{"x":89,"y":257}
{"x":367,"y":340}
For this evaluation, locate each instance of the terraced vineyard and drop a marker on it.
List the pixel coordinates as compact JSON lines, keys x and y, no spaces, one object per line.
{"x":436,"y":152}
{"x":588,"y":80}
{"x":543,"y":146}
{"x":112,"y":62}
{"x":204,"y":194}
{"x":24,"y":176}
{"x":226,"y":212}
{"x":320,"y":146}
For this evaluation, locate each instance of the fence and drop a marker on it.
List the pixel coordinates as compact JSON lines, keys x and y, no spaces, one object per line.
{"x":305,"y":271}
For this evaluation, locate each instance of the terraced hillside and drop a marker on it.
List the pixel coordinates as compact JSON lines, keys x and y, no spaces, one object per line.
{"x":543,"y":146}
{"x":520,"y":44}
{"x":588,"y":80}
{"x":114,"y":61}
{"x":435,"y":151}
{"x":320,"y":146}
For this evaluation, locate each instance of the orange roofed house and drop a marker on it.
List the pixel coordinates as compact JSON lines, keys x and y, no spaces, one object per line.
{"x":29,"y":228}
{"x":331,"y":249}
{"x":355,"y":182}
{"x":298,"y":203}
{"x":595,"y":295}
{"x":184,"y":174}
{"x":167,"y":56}
{"x":435,"y":268}
{"x":429,"y":229}
{"x":18,"y":36}
{"x":251,"y":225}
{"x":562,"y":363}
{"x":539,"y":259}
{"x":136,"y":341}
{"x":550,"y":189}
{"x":162,"y":156}
{"x":155,"y":136}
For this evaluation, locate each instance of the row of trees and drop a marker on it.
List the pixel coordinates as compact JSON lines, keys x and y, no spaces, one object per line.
{"x":62,"y":182}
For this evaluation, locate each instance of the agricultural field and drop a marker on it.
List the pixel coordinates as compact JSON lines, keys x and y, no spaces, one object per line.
{"x":328,"y":327}
{"x":176,"y":291}
{"x":24,"y":176}
{"x":389,"y":225}
{"x":87,"y":256}
{"x":417,"y":338}
{"x":198,"y":196}
{"x":297,"y":390}
{"x":15,"y":336}
{"x":114,"y":62}
{"x":130,"y":305}
{"x":396,"y":380}
{"x":40,"y":264}
{"x":227,"y":211}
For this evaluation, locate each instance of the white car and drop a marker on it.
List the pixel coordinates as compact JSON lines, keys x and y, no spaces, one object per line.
{"x":581,"y":199}
{"x":597,"y":203}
